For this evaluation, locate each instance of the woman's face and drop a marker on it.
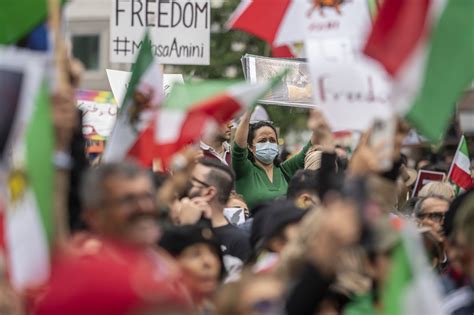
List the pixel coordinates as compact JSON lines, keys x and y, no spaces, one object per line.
{"x":202,"y":264}
{"x":262,"y":135}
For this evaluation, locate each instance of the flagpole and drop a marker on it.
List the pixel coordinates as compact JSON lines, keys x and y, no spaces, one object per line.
{"x":61,"y":183}
{"x":454,"y":158}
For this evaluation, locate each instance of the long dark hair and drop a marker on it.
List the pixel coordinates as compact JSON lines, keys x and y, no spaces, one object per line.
{"x":252,"y":131}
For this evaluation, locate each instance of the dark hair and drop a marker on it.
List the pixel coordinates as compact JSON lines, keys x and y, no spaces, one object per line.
{"x":221,"y":177}
{"x":251,"y":136}
{"x":303,"y":181}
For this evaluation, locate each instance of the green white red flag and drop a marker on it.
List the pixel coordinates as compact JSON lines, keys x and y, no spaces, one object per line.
{"x":427,"y":47}
{"x":460,"y":171}
{"x":142,"y":99}
{"x":410,"y":287}
{"x":195,"y":108}
{"x":27,"y":222}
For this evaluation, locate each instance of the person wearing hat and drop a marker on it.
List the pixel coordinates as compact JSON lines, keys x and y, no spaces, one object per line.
{"x":198,"y":254}
{"x":275,"y":225}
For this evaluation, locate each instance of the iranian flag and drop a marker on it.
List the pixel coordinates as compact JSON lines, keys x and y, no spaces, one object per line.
{"x":427,"y":47}
{"x":460,"y":171}
{"x":196,"y":108}
{"x":28,"y":228}
{"x":410,"y":286}
{"x":142,"y":99}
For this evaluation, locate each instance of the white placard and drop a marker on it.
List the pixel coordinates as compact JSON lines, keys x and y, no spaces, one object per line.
{"x":118,"y":81}
{"x":350,"y":89}
{"x":97,"y":118}
{"x":179,"y":30}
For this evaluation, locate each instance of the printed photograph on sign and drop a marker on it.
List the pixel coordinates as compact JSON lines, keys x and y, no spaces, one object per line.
{"x":179,"y":30}
{"x":296,"y":88}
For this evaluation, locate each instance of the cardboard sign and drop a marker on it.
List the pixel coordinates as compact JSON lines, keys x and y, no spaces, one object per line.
{"x":179,"y":30}
{"x":99,"y":112}
{"x":235,"y":216}
{"x":118,"y":81}
{"x":350,"y":89}
{"x":424,"y":177}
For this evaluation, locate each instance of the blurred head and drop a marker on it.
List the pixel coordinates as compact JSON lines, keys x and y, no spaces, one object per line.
{"x":384,"y":240}
{"x":237,"y":201}
{"x":253,"y":294}
{"x":430,"y":212}
{"x":213,"y":180}
{"x":262,"y":143}
{"x":303,"y":189}
{"x":275,"y":225}
{"x":442,"y":189}
{"x":119,"y":202}
{"x":463,"y":236}
{"x":197,"y":252}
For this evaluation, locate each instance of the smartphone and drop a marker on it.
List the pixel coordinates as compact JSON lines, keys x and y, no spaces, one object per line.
{"x":382,"y":139}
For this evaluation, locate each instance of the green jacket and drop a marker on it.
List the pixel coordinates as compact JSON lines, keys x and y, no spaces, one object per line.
{"x":252,"y":182}
{"x":361,"y":305}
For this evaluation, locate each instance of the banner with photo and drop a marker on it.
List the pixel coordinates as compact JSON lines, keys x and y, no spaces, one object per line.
{"x":296,"y":89}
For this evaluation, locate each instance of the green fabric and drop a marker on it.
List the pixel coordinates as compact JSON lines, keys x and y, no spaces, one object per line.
{"x":252,"y":181}
{"x":39,"y":159}
{"x":183,"y":96}
{"x":449,"y":70}
{"x":361,"y":305}
{"x":143,"y":62}
{"x":20,"y":17}
{"x":398,"y":280}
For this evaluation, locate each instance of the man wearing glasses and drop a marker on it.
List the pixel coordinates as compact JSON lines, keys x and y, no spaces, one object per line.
{"x":430,"y":212}
{"x":210,"y":186}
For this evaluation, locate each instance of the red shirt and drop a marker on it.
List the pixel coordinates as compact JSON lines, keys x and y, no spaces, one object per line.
{"x":111,"y":278}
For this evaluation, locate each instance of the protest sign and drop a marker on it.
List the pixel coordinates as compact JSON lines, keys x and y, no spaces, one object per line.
{"x":295,"y":90}
{"x":179,"y":30}
{"x":350,"y":89}
{"x":99,"y":112}
{"x":118,"y":81}
{"x":424,"y":177}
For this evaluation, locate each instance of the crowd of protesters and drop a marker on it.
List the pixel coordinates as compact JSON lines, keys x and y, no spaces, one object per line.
{"x":318,"y":234}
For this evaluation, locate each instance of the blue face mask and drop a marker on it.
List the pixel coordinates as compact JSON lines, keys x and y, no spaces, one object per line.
{"x":266,"y":152}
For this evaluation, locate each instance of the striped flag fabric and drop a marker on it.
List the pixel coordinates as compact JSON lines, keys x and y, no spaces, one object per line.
{"x":193,"y":109}
{"x":460,"y":170}
{"x":28,"y":220}
{"x":410,"y":287}
{"x":142,"y":99}
{"x":27,"y":184}
{"x":427,"y":47}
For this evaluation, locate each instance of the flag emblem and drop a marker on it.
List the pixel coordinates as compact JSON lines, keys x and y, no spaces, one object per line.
{"x":16,"y":184}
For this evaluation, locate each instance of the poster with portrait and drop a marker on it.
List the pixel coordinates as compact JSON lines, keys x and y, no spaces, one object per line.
{"x":295,"y":89}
